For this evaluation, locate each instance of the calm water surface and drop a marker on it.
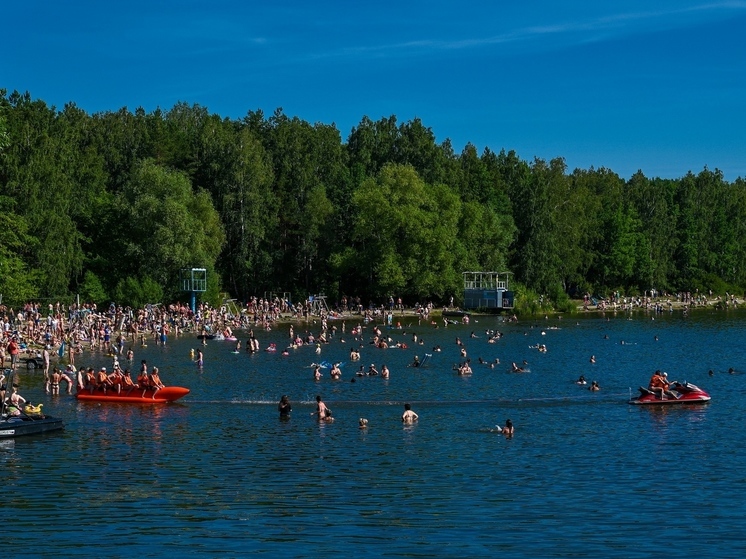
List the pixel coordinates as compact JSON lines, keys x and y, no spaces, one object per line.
{"x":218,"y":473}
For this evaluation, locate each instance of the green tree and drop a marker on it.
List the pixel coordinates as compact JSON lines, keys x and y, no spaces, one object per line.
{"x":18,"y":282}
{"x":404,"y":235}
{"x":537,"y":199}
{"x":653,"y":200}
{"x":166,"y":226}
{"x":237,"y":171}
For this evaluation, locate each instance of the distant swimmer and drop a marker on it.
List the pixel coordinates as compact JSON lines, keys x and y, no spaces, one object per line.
{"x":508,"y":430}
{"x":581,"y":380}
{"x":363,"y":423}
{"x":593,"y":359}
{"x":594,"y":387}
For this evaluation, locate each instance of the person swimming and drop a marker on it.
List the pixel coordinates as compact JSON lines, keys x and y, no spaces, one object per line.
{"x":508,"y":429}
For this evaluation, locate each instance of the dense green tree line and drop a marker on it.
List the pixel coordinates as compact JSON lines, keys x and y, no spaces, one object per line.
{"x":113,"y":205}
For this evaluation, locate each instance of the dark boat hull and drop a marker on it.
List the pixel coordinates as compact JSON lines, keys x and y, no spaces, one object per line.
{"x":455,"y":314}
{"x":164,"y":395}
{"x":22,"y":426}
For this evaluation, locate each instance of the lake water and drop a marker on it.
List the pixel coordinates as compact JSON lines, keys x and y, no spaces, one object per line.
{"x":219,"y":474}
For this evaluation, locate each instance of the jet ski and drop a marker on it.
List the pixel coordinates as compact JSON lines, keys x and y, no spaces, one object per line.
{"x":677,"y":393}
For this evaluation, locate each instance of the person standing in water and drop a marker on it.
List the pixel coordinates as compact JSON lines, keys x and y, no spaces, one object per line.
{"x":409,"y":417}
{"x":284,"y":407}
{"x":322,"y":411}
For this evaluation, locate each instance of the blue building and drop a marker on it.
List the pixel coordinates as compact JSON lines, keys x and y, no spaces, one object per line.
{"x":487,"y":290}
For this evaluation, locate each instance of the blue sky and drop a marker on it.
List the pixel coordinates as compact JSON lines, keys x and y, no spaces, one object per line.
{"x":656,"y":86}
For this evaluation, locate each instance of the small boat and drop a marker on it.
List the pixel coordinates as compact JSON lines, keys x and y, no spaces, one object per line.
{"x":21,"y":425}
{"x":17,"y":420}
{"x":678,"y":393}
{"x":455,"y":314}
{"x":162,"y":396}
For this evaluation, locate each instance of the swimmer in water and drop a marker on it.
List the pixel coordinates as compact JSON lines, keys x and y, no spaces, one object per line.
{"x":508,"y":430}
{"x":409,"y":417}
{"x":284,"y":407}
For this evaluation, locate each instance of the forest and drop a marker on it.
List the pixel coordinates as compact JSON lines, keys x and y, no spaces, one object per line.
{"x":111,"y":206}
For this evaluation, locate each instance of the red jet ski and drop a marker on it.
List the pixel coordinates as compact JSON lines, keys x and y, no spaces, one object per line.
{"x":677,"y":393}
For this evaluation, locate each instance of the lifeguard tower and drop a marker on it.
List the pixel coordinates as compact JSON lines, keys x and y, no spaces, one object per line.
{"x":194,"y":280}
{"x":318,"y":304}
{"x":487,"y":290}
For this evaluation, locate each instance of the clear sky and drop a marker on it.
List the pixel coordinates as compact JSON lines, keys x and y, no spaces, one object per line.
{"x":653,"y":85}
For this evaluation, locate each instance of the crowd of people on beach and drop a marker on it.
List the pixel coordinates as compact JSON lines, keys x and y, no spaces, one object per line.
{"x":657,"y":302}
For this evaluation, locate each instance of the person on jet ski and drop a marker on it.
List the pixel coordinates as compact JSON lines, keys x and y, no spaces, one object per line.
{"x":659,"y":384}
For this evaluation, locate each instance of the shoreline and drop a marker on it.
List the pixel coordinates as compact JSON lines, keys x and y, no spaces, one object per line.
{"x":658,"y":306}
